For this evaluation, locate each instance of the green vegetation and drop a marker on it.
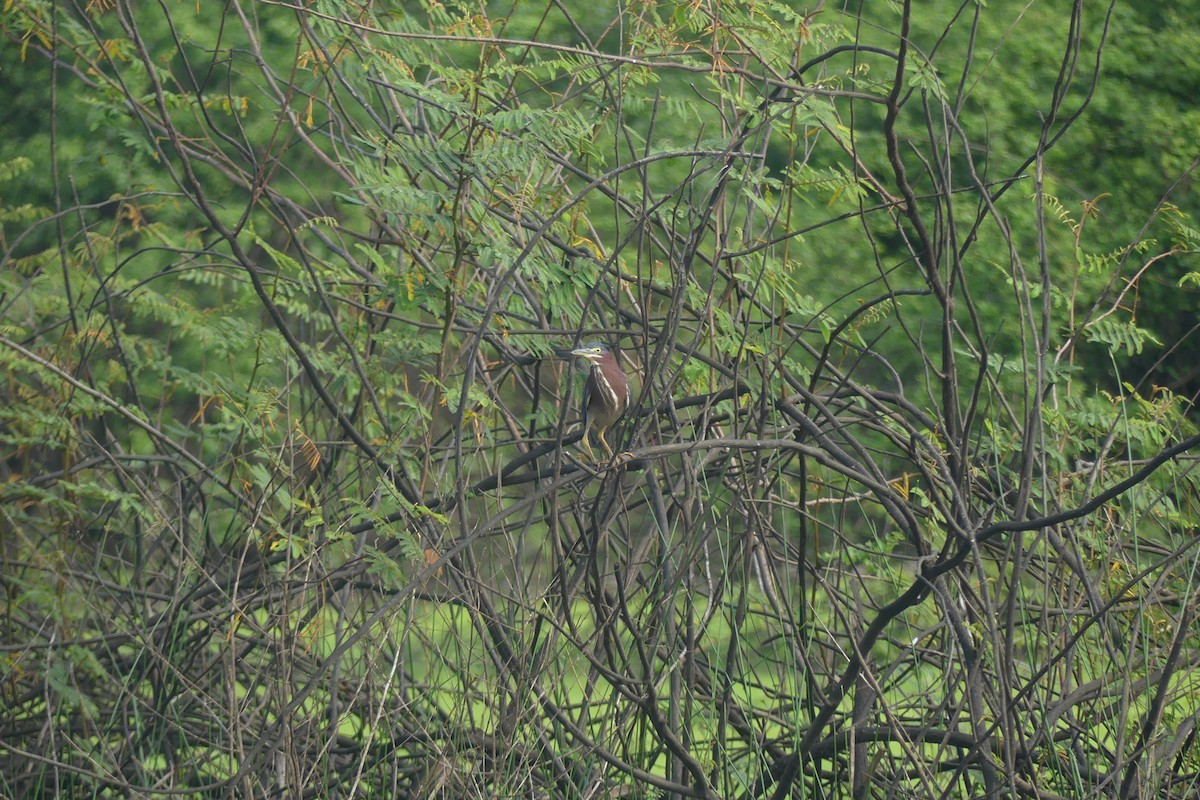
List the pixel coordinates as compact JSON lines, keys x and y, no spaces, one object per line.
{"x":291,"y":502}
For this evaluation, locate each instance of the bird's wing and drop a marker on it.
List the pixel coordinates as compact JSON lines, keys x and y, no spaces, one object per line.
{"x":587,"y":399}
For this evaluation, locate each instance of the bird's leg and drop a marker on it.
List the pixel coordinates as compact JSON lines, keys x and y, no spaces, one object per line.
{"x":604,"y":442}
{"x":623,"y":457}
{"x":587,"y":445}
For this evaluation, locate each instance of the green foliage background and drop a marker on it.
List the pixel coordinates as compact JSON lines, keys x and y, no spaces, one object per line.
{"x":290,"y":496}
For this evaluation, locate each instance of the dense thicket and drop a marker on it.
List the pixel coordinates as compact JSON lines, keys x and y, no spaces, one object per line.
{"x":291,"y":494}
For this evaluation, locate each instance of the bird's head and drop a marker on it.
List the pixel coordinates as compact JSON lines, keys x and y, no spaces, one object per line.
{"x":596,"y":352}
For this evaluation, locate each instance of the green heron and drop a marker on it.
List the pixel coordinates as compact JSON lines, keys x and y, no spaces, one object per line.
{"x":605,"y":393}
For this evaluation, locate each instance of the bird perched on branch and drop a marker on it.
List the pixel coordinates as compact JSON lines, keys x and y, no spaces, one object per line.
{"x":605,"y":393}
